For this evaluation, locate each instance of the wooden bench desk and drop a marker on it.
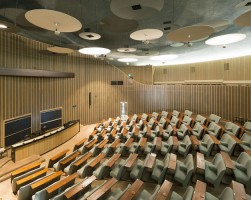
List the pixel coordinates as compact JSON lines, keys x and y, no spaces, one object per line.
{"x":228,"y":162}
{"x":136,"y":131}
{"x":216,"y":141}
{"x":96,"y":160}
{"x":25,"y":169}
{"x":237,"y":140}
{"x":124,"y":132}
{"x":248,"y":152}
{"x":164,"y":191}
{"x":53,"y":189}
{"x":148,"y":132}
{"x":239,"y":191}
{"x":113,"y":159}
{"x":79,"y":144}
{"x":28,"y":179}
{"x":93,"y":133}
{"x":90,"y":144}
{"x":142,"y":143}
{"x":115,"y":143}
{"x":189,"y":128}
{"x":161,"y":130}
{"x":204,"y":127}
{"x":103,"y":143}
{"x":132,"y":191}
{"x":57,"y":157}
{"x":130,"y":161}
{"x":172,"y":163}
{"x":174,"y":129}
{"x":113,"y":133}
{"x":128,"y":142}
{"x":79,"y":189}
{"x":67,"y":161}
{"x":195,"y":142}
{"x":199,"y":190}
{"x":200,"y":163}
{"x":158,"y":144}
{"x":150,"y":162}
{"x":81,"y":162}
{"x":175,"y":143}
{"x":103,"y":189}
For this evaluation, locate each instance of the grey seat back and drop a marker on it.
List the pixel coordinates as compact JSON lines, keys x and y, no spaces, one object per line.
{"x":175,"y":113}
{"x":200,"y":119}
{"x":247,"y":127}
{"x":214,"y":118}
{"x":188,"y":113}
{"x":164,"y":114}
{"x":187,"y":120}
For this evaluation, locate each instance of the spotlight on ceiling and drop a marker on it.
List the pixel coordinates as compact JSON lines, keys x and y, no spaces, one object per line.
{"x":127,"y":60}
{"x":94,"y":51}
{"x":3,"y":26}
{"x":164,"y":57}
{"x":226,"y":39}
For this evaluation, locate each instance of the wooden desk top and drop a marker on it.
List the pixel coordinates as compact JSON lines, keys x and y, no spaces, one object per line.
{"x":83,"y":159}
{"x":142,"y":143}
{"x":94,"y":132}
{"x":26,"y":168}
{"x":75,"y":190}
{"x":172,"y":162}
{"x":131,"y":192}
{"x":199,"y":190}
{"x":158,"y":143}
{"x":128,"y":142}
{"x":81,"y":142}
{"x":239,"y":191}
{"x":72,"y":157}
{"x":194,"y":140}
{"x":103,"y":189}
{"x":167,"y":120}
{"x":161,"y":129}
{"x":237,"y":140}
{"x":97,"y":125}
{"x":248,"y":152}
{"x":97,"y":160}
{"x":136,"y":131}
{"x":61,"y":183}
{"x":175,"y":141}
{"x":200,"y":162}
{"x":164,"y":191}
{"x":216,"y":141}
{"x":174,"y":128}
{"x":132,"y":158}
{"x":204,"y":127}
{"x":103,"y":143}
{"x":188,"y":127}
{"x":113,"y":159}
{"x":60,"y":154}
{"x":104,"y":133}
{"x":150,"y":161}
{"x":115,"y":124}
{"x":114,"y":132}
{"x":31,"y":177}
{"x":91,"y":143}
{"x":124,"y":132}
{"x":228,"y":162}
{"x":46,"y":179}
{"x":115,"y":143}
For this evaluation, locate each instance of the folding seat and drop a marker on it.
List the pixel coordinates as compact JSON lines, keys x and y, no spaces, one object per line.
{"x":154,"y":133}
{"x":118,"y":193}
{"x":160,"y":169}
{"x":214,"y":118}
{"x":164,"y":114}
{"x":184,"y":171}
{"x":99,"y":172}
{"x":197,"y":130}
{"x":226,"y":194}
{"x":174,"y":121}
{"x":182,"y":131}
{"x":155,"y":115}
{"x":144,"y":116}
{"x":184,"y":146}
{"x":232,"y":128}
{"x":150,"y":146}
{"x":135,"y":146}
{"x":162,"y":122}
{"x":175,"y":113}
{"x":140,"y":125}
{"x":167,"y":133}
{"x":187,"y":120}
{"x":206,"y":145}
{"x":242,"y":169}
{"x":214,"y":129}
{"x":137,"y":169}
{"x":57,"y":166}
{"x":247,"y":127}
{"x":188,"y":195}
{"x":227,"y":144}
{"x":167,"y":146}
{"x":215,"y":170}
{"x":188,"y":113}
{"x":246,"y":141}
{"x":91,"y":191}
{"x":117,"y":170}
{"x":200,"y":119}
{"x":145,"y":195}
{"x":143,"y":132}
{"x":122,"y":149}
{"x":151,"y":123}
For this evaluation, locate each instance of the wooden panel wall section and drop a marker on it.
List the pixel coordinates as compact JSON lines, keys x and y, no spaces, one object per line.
{"x":22,"y":95}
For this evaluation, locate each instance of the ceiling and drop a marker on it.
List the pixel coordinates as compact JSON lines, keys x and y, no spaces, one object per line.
{"x":96,"y":16}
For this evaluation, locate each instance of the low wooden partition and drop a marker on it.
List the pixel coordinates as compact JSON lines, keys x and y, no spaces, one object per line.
{"x":44,"y":143}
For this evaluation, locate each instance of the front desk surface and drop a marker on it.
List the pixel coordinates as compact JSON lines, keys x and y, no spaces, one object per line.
{"x":44,"y":143}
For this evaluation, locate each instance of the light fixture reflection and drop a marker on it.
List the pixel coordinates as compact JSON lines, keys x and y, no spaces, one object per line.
{"x":94,"y":51}
{"x":164,"y":57}
{"x":3,"y":26}
{"x":226,"y":39}
{"x":127,"y":60}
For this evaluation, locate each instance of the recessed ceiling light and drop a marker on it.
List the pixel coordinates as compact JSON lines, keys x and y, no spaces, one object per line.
{"x":164,"y":57}
{"x":127,"y":60}
{"x":94,"y":51}
{"x":89,"y":36}
{"x":3,"y":26}
{"x":226,"y":39}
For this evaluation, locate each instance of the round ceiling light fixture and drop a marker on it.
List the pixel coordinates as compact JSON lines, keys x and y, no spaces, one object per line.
{"x":94,"y":51}
{"x":164,"y":57}
{"x":226,"y":39}
{"x":3,"y":26}
{"x":127,"y":60}
{"x":89,"y":36}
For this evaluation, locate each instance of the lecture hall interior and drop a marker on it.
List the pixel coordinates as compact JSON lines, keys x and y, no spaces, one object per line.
{"x":115,"y":99}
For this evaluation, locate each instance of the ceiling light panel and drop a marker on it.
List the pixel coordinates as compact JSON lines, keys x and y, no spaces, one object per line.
{"x":94,"y":51}
{"x":226,"y":39}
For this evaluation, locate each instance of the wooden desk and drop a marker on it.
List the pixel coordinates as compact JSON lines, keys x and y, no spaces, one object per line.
{"x":150,"y":161}
{"x":131,"y":192}
{"x":90,"y":144}
{"x":124,"y":132}
{"x":174,"y":129}
{"x":248,"y":152}
{"x":113,"y":159}
{"x":81,"y":162}
{"x":239,"y":191}
{"x":57,"y":157}
{"x":93,"y":133}
{"x":97,"y":160}
{"x":114,"y":132}
{"x":164,"y":191}
{"x":204,"y":127}
{"x":25,"y":169}
{"x":128,"y":142}
{"x":172,"y":163}
{"x":79,"y":144}
{"x":67,"y":161}
{"x":130,"y":161}
{"x":200,"y":163}
{"x":78,"y":189}
{"x":189,"y":128}
{"x":103,"y":143}
{"x":103,"y":189}
{"x":115,"y":143}
{"x":142,"y":143}
{"x":237,"y":140}
{"x":228,"y":162}
{"x":216,"y":141}
{"x":136,"y":131}
{"x":148,"y":132}
{"x":53,"y":189}
{"x":175,"y":142}
{"x":199,"y":190}
{"x":195,"y":142}
{"x":161,"y":130}
{"x":158,"y":144}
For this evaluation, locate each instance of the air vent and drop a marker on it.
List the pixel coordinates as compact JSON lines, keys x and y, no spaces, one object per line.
{"x":192,"y":69}
{"x":90,"y":36}
{"x":226,"y":66}
{"x":167,"y":22}
{"x":167,"y":28}
{"x":117,"y":83}
{"x":164,"y":71}
{"x":136,"y":7}
{"x":248,"y":4}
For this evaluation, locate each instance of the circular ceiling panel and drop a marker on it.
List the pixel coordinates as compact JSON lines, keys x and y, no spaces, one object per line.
{"x":146,"y":34}
{"x":244,"y":19}
{"x":89,"y":36}
{"x":126,"y":50}
{"x":218,"y":25}
{"x":190,"y":33}
{"x":53,"y":20}
{"x":60,"y":50}
{"x":135,"y":9}
{"x":115,"y":24}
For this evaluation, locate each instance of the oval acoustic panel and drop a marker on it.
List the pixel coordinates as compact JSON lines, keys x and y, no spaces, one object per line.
{"x":135,"y":9}
{"x":244,"y":19}
{"x":53,"y":20}
{"x":146,"y":34}
{"x":60,"y":50}
{"x":190,"y":33}
{"x":218,"y":25}
{"x":116,"y":24}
